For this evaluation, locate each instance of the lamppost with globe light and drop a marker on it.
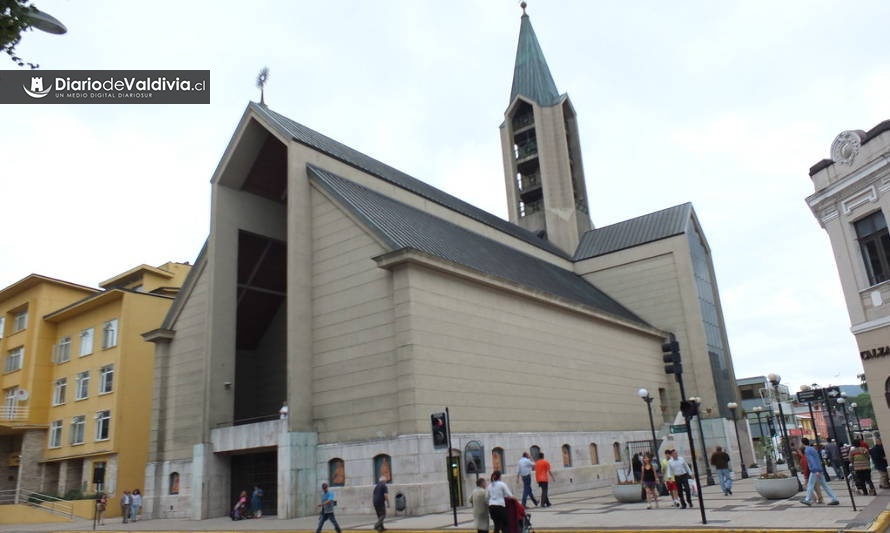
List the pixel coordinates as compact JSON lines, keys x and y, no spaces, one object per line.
{"x":732,"y":408}
{"x":853,"y":406}
{"x":841,"y":401}
{"x":709,"y":477}
{"x":774,"y":380}
{"x":644,"y":395}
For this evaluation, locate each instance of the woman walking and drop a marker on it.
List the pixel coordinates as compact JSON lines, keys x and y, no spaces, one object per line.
{"x":498,"y":492}
{"x":650,"y":480}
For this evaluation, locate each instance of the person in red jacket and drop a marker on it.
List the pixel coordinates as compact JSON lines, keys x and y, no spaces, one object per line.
{"x":543,"y":475}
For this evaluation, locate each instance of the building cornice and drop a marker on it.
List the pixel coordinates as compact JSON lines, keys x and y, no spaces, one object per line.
{"x":871,"y":325}
{"x":833,"y":191}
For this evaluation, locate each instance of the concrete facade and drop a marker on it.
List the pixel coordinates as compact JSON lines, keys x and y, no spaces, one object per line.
{"x":851,"y":190}
{"x":304,"y":294}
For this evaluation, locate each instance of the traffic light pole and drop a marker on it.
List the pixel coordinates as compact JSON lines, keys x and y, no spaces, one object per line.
{"x":451,"y":480}
{"x":671,"y":354}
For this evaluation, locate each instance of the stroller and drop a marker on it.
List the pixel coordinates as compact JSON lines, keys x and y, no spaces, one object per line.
{"x":518,"y":520}
{"x":239,"y":512}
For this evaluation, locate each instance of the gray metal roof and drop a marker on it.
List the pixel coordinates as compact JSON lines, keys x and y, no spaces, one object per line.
{"x":531,"y":75}
{"x":404,"y":227}
{"x":352,"y":157}
{"x":634,"y":232}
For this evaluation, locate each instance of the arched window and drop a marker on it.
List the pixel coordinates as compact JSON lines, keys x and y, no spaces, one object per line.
{"x":383,"y":467}
{"x":616,"y":452}
{"x":337,"y":472}
{"x":174,"y":483}
{"x":566,"y":456}
{"x":497,"y":460}
{"x":535,"y":452}
{"x":594,"y":454}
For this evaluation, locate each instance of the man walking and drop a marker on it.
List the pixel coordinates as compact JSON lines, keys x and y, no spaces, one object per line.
{"x":524,"y":472}
{"x":327,"y":509}
{"x":380,"y":501}
{"x":543,"y":475}
{"x":817,"y":475}
{"x":680,"y":469}
{"x":834,"y":455}
{"x":720,"y":461}
{"x":880,"y":460}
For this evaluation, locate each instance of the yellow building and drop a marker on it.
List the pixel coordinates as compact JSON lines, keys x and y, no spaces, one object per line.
{"x":82,"y":425}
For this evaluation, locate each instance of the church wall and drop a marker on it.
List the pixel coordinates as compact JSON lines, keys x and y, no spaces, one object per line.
{"x":505,"y":363}
{"x":354,"y":374}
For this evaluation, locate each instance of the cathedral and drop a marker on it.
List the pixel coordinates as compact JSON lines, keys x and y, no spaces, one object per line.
{"x":365,"y":301}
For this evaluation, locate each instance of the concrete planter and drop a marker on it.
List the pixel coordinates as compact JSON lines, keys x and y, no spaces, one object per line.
{"x":776,"y":489}
{"x":627,"y":493}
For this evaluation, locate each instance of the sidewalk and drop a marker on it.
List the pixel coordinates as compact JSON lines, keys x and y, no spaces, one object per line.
{"x":588,"y":510}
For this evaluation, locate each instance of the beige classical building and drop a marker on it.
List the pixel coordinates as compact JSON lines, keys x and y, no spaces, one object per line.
{"x":368,"y":300}
{"x":851,"y":203}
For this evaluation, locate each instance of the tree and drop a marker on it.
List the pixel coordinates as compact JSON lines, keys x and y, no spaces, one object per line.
{"x":864,"y":407}
{"x":15,"y":19}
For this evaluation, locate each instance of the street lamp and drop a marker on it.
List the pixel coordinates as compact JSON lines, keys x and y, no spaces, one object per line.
{"x":709,"y":477}
{"x":853,"y":406}
{"x":644,"y":395}
{"x":842,"y":402}
{"x":774,"y":380}
{"x":732,"y":408}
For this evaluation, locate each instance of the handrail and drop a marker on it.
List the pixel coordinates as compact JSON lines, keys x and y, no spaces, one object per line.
{"x":36,"y":499}
{"x":13,"y":413}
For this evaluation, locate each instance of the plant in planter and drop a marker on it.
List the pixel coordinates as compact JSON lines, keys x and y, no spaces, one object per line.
{"x":776,"y":486}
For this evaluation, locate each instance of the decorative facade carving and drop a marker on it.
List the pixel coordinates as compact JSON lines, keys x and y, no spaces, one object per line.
{"x":845,"y":147}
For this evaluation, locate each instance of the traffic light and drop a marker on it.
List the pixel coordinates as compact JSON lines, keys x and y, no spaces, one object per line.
{"x":688,"y":408}
{"x":439,"y":425}
{"x":670,"y":354}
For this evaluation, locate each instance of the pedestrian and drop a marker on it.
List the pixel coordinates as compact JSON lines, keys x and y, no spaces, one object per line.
{"x":860,"y":462}
{"x":327,"y":509}
{"x":817,"y":475}
{"x":636,"y":465}
{"x":805,"y":471}
{"x":649,"y":478}
{"x":543,"y":476}
{"x":135,"y":505}
{"x":524,"y":472}
{"x":880,"y":460}
{"x":380,"y":501}
{"x":256,"y":502}
{"x":498,"y":492}
{"x":126,"y":501}
{"x":720,"y":461}
{"x":101,"y":505}
{"x":680,"y":470}
{"x":834,"y":456}
{"x":845,"y":458}
{"x":479,"y":502}
{"x":239,"y":511}
{"x":670,"y":482}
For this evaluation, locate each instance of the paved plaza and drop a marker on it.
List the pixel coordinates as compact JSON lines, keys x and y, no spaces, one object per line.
{"x":587,"y":510}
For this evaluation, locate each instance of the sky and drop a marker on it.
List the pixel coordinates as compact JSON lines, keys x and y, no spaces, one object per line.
{"x":722,"y":104}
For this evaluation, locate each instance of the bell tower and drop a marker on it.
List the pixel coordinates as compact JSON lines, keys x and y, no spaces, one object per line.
{"x":546,"y":191}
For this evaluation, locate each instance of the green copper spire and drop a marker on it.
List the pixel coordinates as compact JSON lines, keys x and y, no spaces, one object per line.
{"x":531,"y":76}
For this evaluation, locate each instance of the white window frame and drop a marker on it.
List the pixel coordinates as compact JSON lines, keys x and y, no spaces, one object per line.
{"x":103,"y":422}
{"x":2,"y":326}
{"x":86,"y":341}
{"x":109,"y":334}
{"x":19,"y":321}
{"x":82,"y":386}
{"x":78,"y":428}
{"x":14,"y":359}
{"x":106,"y":379}
{"x":10,"y":403}
{"x":55,"y":434}
{"x":62,"y":351}
{"x":60,"y":390}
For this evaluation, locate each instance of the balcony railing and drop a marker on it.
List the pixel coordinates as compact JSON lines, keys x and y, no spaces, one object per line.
{"x":9,"y":413}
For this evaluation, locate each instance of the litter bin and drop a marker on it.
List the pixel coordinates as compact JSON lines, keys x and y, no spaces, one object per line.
{"x":400,"y":502}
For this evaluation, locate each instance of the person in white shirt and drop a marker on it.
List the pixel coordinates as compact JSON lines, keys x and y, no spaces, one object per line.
{"x":524,"y":472}
{"x":498,"y":492}
{"x":680,"y":469}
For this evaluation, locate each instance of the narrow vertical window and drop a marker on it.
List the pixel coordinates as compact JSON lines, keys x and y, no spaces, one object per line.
{"x":78,"y":424}
{"x":337,"y":472}
{"x":86,"y":342}
{"x":83,"y":385}
{"x":109,"y":334}
{"x":106,"y":379}
{"x":103,"y":424}
{"x":55,"y":434}
{"x":60,"y":388}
